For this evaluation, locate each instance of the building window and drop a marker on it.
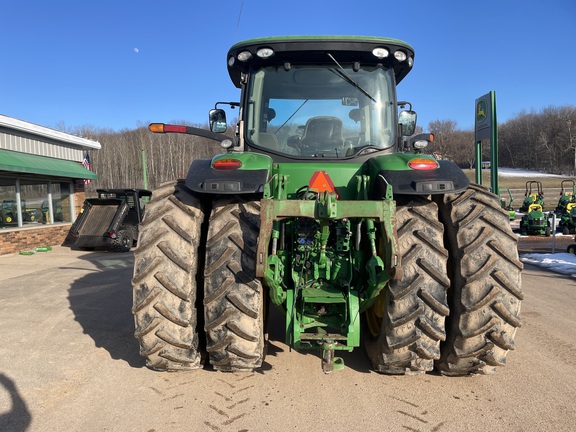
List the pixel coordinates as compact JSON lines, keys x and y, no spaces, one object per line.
{"x":28,"y":202}
{"x":8,"y":209}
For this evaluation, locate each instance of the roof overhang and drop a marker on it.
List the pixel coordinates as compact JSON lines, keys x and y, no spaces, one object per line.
{"x":32,"y":164}
{"x":12,"y":123}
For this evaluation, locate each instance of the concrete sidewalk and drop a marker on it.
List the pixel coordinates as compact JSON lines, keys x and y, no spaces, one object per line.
{"x":15,"y":265}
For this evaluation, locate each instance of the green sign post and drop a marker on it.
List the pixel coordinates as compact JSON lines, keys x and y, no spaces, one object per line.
{"x":485,"y":127}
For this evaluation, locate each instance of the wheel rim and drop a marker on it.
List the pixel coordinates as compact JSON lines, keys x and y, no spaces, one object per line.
{"x":375,"y":315}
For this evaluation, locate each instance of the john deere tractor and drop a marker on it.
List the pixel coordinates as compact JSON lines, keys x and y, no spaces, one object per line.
{"x":567,"y":218}
{"x":567,"y":196}
{"x":532,"y":196}
{"x":535,"y":222}
{"x":324,"y":205}
{"x":566,"y":208}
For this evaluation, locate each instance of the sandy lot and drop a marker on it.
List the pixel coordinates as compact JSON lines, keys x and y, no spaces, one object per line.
{"x":69,"y":362}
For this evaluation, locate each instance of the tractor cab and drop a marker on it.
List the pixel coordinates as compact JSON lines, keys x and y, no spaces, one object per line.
{"x":318,"y":97}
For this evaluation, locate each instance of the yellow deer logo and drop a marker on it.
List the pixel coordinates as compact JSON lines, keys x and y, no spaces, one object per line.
{"x":481,"y":111}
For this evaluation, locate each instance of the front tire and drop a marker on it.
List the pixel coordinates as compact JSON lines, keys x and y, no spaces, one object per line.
{"x":234,"y":300}
{"x":485,"y":294}
{"x":165,"y":267}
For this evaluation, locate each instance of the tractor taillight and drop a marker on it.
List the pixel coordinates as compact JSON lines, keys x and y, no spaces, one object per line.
{"x":227,"y":164}
{"x":174,"y":128}
{"x":422,"y":164}
{"x":163,"y":128}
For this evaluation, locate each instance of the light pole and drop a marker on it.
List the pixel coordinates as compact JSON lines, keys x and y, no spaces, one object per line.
{"x":569,"y":123}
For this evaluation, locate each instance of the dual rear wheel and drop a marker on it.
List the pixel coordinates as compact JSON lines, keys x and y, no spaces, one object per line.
{"x":177,"y":324}
{"x":455,"y":307}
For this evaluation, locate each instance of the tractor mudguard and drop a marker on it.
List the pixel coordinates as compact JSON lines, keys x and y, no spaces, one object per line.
{"x":203,"y":178}
{"x":447,"y":178}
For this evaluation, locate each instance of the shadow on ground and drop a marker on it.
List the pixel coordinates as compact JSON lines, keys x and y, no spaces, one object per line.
{"x":102,"y":304}
{"x":18,"y":417}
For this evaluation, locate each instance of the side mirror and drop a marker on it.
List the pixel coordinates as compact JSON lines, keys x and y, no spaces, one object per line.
{"x":407,"y":119}
{"x":217,"y":120}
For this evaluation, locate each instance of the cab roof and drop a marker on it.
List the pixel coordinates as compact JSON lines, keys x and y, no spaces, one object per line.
{"x":311,"y":50}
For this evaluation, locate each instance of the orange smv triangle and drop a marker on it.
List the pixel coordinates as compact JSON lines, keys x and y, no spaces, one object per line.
{"x":321,"y":182}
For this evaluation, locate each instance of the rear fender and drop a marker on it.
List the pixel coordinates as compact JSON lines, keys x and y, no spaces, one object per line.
{"x":447,"y":178}
{"x":203,"y":178}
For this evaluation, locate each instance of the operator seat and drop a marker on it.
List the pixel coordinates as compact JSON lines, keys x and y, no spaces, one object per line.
{"x":322,"y":133}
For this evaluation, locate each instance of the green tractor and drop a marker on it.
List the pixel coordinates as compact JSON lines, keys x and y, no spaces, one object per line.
{"x":535,"y":222}
{"x":9,"y":212}
{"x":535,"y":196}
{"x":567,"y":219}
{"x":567,"y":196}
{"x":566,"y":208}
{"x":324,"y":206}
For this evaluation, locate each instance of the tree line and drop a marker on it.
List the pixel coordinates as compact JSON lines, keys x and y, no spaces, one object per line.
{"x":544,"y":141}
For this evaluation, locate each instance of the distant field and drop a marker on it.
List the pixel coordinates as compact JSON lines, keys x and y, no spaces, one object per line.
{"x":551,"y":185}
{"x":518,"y":181}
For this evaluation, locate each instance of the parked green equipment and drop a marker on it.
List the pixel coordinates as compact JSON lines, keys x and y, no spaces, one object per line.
{"x":9,"y":212}
{"x":567,"y":196}
{"x":324,"y":206}
{"x":566,"y":208}
{"x":531,"y":196}
{"x":567,"y":219}
{"x":535,"y":222}
{"x":507,"y":205}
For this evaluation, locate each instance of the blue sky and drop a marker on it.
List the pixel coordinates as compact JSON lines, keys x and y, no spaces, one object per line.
{"x":121,"y":64}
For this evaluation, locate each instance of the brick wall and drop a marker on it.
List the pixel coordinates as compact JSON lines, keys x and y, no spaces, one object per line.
{"x":16,"y":240}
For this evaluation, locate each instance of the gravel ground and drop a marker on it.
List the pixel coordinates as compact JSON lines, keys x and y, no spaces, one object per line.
{"x":69,"y":362}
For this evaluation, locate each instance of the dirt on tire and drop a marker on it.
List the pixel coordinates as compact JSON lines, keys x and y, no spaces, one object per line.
{"x":164,"y":280}
{"x":233,"y":297}
{"x":413,"y":309}
{"x":485,"y":293}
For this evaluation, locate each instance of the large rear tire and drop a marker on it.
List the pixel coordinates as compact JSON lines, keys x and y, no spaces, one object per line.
{"x":234,"y":300}
{"x":486,"y":294}
{"x":165,"y":267}
{"x":406,"y":324}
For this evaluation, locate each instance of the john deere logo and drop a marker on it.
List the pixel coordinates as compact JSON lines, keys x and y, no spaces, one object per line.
{"x":481,"y":111}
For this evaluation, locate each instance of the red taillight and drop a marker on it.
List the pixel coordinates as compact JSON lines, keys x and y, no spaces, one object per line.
{"x":422,"y":164}
{"x":163,"y":128}
{"x":227,"y":164}
{"x":175,"y":128}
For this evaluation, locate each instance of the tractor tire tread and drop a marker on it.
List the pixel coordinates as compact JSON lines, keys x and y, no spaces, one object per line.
{"x":234,"y":297}
{"x":416,"y":305}
{"x":164,"y":280}
{"x":486,"y":293}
